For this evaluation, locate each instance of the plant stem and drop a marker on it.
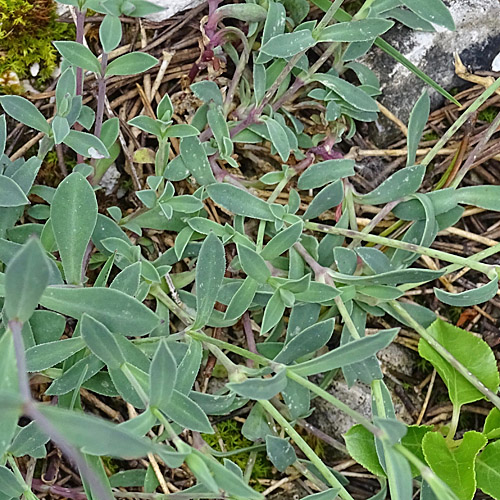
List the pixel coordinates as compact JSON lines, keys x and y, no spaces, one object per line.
{"x":135,"y":384}
{"x":329,"y":15}
{"x":101,"y":96}
{"x":455,"y":417}
{"x":380,"y":240}
{"x":80,"y":20}
{"x":471,"y":378}
{"x":344,"y":313}
{"x":306,"y":449}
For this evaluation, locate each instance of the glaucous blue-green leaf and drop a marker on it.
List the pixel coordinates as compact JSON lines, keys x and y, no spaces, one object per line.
{"x":322,"y":173}
{"x":289,"y":44}
{"x":195,"y":159}
{"x":43,"y":356}
{"x":73,"y":214}
{"x":116,"y":310}
{"x":215,"y":404}
{"x":131,"y":64}
{"x":240,"y":202}
{"x":279,"y":138}
{"x":78,"y":55}
{"x":280,"y":452}
{"x":26,"y":278}
{"x":207,"y":91}
{"x":181,"y":130}
{"x":209,"y":274}
{"x":3,"y":134}
{"x":256,"y":426}
{"x":260,"y":388}
{"x":101,"y":342}
{"x":25,"y":112}
{"x":253,"y":264}
{"x":399,"y":474}
{"x":127,"y":280}
{"x":10,"y":486}
{"x":201,"y":471}
{"x":110,"y":33}
{"x":273,"y":312}
{"x":163,"y":375}
{"x":469,"y":297}
{"x":96,"y":436}
{"x":275,"y":21}
{"x":355,"y":31}
{"x":330,"y":494}
{"x":455,"y":464}
{"x":355,"y":96}
{"x":345,"y":259}
{"x":242,"y":299}
{"x":185,"y":412}
{"x":189,"y":367}
{"x":219,"y":127}
{"x":11,"y":194}
{"x":402,"y":183}
{"x":283,"y":241}
{"x":435,"y":12}
{"x":146,"y":124}
{"x":307,"y":341}
{"x":416,"y":125}
{"x":473,"y":352}
{"x":60,"y":129}
{"x":28,"y":440}
{"x":487,"y":469}
{"x":87,"y":145}
{"x":329,"y":197}
{"x":389,"y":278}
{"x":355,"y":351}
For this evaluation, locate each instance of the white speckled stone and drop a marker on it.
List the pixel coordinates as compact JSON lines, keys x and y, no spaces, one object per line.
{"x":172,"y":7}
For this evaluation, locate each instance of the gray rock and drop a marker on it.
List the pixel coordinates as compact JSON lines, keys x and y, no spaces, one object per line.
{"x":476,"y":39}
{"x":172,"y":7}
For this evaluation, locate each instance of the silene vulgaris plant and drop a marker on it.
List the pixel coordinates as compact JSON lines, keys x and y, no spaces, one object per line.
{"x":89,"y":304}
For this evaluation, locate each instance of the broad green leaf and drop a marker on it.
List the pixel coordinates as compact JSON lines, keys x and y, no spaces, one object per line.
{"x":399,"y":474}
{"x":322,"y":173}
{"x":253,"y":264}
{"x":416,"y":125}
{"x":11,"y":194}
{"x":361,"y":447}
{"x":488,"y":470}
{"x":240,"y":202}
{"x":283,"y":241}
{"x":182,"y":130}
{"x":492,"y":424}
{"x":131,"y":64}
{"x":110,"y":33}
{"x":355,"y":351}
{"x":9,"y":484}
{"x":256,"y":426}
{"x":101,"y":342}
{"x":26,"y":278}
{"x":146,"y":124}
{"x":289,"y":44}
{"x":390,"y":278}
{"x":60,"y":128}
{"x":73,"y":214}
{"x":307,"y":341}
{"x":127,"y":281}
{"x":163,"y":375}
{"x":330,"y":494}
{"x":297,"y":398}
{"x":280,"y":452}
{"x":215,"y":405}
{"x":25,"y":112}
{"x":195,"y":159}
{"x":43,"y":356}
{"x":96,"y":436}
{"x":402,"y":183}
{"x":260,"y":388}
{"x":454,"y":465}
{"x":209,"y":274}
{"x":185,"y":412}
{"x":116,"y":310}
{"x":469,"y":297}
{"x":128,"y":478}
{"x":434,"y":11}
{"x":79,"y":56}
{"x":355,"y":96}
{"x":355,"y":31}
{"x":329,"y":197}
{"x":473,"y":352}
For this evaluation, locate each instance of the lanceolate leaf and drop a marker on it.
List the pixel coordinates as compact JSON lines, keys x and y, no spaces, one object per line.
{"x":289,"y":44}
{"x":209,"y":274}
{"x":434,"y":11}
{"x":163,"y":375}
{"x":25,"y":112}
{"x":347,"y":354}
{"x":469,"y":297}
{"x":131,"y":64}
{"x":44,"y":356}
{"x":355,"y":31}
{"x":195,"y":159}
{"x":280,"y":452}
{"x":260,"y":388}
{"x":185,"y":412}
{"x":418,"y":121}
{"x":73,"y":214}
{"x":116,"y":310}
{"x":79,"y":56}
{"x":11,"y":194}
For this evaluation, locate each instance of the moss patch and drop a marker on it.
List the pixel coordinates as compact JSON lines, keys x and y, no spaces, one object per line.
{"x":27,"y":30}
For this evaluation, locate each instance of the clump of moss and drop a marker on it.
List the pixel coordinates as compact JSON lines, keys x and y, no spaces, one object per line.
{"x":229,"y":431}
{"x":489,"y":114}
{"x":27,"y":30}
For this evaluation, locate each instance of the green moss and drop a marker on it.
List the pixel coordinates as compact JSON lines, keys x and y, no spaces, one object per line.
{"x":27,"y":30}
{"x":229,"y":431}
{"x":110,"y":464}
{"x":488,"y":115}
{"x":431,"y":136}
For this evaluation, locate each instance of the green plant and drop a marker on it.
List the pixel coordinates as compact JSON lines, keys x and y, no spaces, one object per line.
{"x":290,"y":265}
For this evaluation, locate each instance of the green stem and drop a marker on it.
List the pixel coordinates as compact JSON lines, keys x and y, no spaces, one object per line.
{"x":380,"y":240}
{"x":160,"y":295}
{"x":306,"y":449}
{"x":379,"y":400}
{"x":349,"y":323}
{"x":446,"y":355}
{"x":329,"y":15}
{"x":455,"y":417}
